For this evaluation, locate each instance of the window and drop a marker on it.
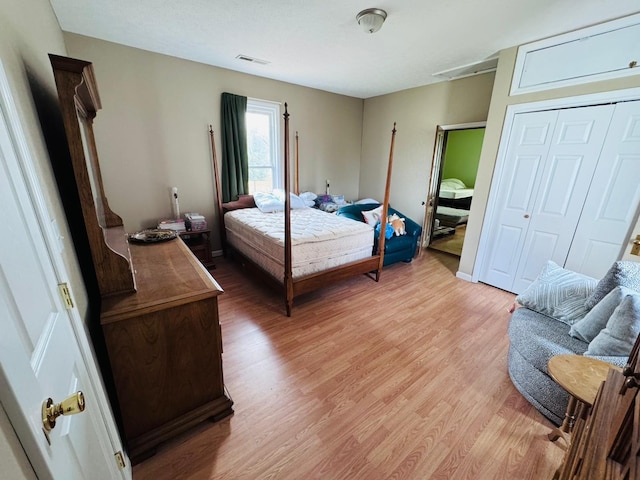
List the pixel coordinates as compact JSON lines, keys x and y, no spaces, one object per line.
{"x":263,"y":136}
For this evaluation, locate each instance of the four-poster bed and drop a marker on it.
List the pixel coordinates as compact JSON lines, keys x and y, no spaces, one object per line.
{"x":268,"y":251}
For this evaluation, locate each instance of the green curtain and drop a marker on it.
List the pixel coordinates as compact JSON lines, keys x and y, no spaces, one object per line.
{"x":235,"y":160}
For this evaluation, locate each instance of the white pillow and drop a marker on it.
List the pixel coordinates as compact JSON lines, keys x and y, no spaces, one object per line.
{"x":558,"y":293}
{"x":308,"y":196}
{"x":366,"y":200}
{"x":295,"y":201}
{"x":372,"y":217}
{"x":452,"y":184}
{"x":268,"y":203}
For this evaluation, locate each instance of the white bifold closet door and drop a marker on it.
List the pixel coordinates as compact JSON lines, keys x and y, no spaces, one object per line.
{"x":553,"y":170}
{"x":611,"y":208}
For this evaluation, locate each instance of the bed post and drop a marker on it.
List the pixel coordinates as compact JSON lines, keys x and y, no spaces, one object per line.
{"x":216,"y":175}
{"x":296,"y":182}
{"x":288,"y":276}
{"x":385,"y":205}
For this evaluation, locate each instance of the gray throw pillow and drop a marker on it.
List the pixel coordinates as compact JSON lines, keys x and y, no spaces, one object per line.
{"x":622,"y":329}
{"x":621,"y":274}
{"x":558,"y":293}
{"x":590,"y":326}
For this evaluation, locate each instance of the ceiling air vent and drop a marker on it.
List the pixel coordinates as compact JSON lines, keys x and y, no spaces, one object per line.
{"x":476,"y":68}
{"x":247,"y":58}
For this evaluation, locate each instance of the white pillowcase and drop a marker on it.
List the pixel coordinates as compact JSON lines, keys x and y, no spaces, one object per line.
{"x":558,"y":293}
{"x":295,"y":201}
{"x":274,"y":202}
{"x":268,"y":203}
{"x":452,"y":184}
{"x":372,"y":217}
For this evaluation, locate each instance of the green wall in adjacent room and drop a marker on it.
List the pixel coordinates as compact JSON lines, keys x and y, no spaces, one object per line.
{"x":462,"y":155}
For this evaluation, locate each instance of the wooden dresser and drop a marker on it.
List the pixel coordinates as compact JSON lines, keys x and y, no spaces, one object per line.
{"x":159,"y":311}
{"x":605,"y":443}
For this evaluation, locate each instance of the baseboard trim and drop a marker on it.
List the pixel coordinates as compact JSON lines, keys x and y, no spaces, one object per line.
{"x":464,"y":276}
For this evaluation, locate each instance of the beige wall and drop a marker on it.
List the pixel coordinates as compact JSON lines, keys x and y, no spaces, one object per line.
{"x":152,"y":133}
{"x":500,"y":100}
{"x":28,"y":32}
{"x":418,"y":112}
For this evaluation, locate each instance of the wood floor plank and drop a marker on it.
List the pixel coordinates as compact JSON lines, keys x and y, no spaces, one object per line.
{"x":405,"y":378}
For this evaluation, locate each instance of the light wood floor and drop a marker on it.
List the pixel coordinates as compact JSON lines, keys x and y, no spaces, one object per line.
{"x":402,"y":379}
{"x":451,"y":243}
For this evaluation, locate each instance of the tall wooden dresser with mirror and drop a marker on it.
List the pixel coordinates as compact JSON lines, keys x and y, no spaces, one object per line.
{"x":159,"y":305}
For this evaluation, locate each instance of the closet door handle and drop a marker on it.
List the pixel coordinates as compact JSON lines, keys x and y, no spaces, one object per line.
{"x":526,"y":215}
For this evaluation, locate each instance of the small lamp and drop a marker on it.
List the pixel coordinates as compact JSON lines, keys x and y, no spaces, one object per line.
{"x":371,"y":19}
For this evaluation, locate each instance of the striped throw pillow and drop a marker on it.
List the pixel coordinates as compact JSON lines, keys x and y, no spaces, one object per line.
{"x":558,"y":293}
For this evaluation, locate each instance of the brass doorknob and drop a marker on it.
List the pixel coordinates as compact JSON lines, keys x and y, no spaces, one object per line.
{"x":70,"y":406}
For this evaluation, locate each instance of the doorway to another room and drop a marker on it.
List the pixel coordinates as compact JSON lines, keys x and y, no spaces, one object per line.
{"x":453,"y":176}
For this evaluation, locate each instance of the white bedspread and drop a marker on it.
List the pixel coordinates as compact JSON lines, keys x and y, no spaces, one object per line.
{"x":319,"y":240}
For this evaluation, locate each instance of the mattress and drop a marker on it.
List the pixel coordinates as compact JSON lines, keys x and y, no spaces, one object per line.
{"x":456,"y":194}
{"x":319,"y":240}
{"x":451,"y":217}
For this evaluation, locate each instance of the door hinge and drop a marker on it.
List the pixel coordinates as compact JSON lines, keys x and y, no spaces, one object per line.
{"x":66,"y":295}
{"x":119,"y":459}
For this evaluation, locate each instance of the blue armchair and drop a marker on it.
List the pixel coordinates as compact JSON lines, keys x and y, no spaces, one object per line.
{"x":397,"y":248}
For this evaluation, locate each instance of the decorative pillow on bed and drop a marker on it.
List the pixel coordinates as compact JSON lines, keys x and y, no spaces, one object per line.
{"x":372,"y":217}
{"x":622,"y":329}
{"x":558,"y":293}
{"x":244,"y":201}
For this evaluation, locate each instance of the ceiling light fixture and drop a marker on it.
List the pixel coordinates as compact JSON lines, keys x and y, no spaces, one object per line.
{"x":371,"y":19}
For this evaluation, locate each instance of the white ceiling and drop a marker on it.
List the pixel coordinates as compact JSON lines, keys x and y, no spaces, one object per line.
{"x":318,"y":44}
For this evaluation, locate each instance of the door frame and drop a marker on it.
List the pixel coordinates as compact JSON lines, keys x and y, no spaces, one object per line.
{"x":53,"y":241}
{"x":614,"y":96}
{"x":436,"y":173}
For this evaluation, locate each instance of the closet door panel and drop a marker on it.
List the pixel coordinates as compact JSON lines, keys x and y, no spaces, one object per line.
{"x":527,"y":150}
{"x":568,"y":171}
{"x":611,"y":208}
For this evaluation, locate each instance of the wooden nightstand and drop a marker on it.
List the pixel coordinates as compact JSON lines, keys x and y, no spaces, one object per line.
{"x":198,"y":243}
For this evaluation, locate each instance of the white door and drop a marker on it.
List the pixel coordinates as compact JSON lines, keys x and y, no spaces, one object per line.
{"x":611,"y":207}
{"x":40,"y":354}
{"x":569,"y":168}
{"x":527,"y":150}
{"x":551,"y":157}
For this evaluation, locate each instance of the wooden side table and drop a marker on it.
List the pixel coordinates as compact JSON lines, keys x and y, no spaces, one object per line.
{"x":581,"y":377}
{"x":198,"y":243}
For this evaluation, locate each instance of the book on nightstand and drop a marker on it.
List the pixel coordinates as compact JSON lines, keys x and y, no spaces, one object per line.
{"x":170,"y":224}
